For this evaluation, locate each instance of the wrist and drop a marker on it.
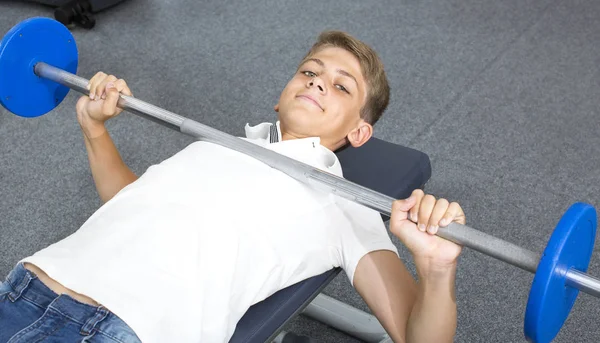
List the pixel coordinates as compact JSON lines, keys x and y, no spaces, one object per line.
{"x":437,"y":280}
{"x":433,"y":270}
{"x":92,"y":128}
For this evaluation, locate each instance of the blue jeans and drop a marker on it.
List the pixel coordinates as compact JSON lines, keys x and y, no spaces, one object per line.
{"x":31,"y":312}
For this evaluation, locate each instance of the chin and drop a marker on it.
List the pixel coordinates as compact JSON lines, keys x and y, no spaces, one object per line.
{"x":297,"y":119}
{"x":298,"y":123}
{"x":300,"y":111}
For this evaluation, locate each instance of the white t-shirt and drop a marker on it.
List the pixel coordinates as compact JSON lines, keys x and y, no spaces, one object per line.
{"x":183,"y":252}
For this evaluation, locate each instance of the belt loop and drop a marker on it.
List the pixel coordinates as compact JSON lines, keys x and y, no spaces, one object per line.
{"x":21,"y":287}
{"x":91,"y":323}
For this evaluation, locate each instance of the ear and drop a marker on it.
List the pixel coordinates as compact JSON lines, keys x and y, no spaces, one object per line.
{"x":361,"y":134}
{"x":276,"y":108}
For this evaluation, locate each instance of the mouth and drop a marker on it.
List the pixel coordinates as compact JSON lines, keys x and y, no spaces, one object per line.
{"x":311,"y":100}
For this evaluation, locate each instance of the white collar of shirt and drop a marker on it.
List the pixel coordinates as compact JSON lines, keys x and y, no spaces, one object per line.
{"x":269,"y":135}
{"x":267,"y":131}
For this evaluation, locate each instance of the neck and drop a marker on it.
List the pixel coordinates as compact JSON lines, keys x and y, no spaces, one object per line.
{"x":333,"y":147}
{"x":288,"y":135}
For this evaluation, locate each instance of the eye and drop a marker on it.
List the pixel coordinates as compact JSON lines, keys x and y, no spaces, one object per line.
{"x":342,"y":88}
{"x":309,"y":73}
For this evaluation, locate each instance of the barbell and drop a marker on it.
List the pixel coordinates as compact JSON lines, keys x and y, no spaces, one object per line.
{"x":38,"y":62}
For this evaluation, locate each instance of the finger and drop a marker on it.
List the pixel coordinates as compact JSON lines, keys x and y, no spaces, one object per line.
{"x":401,"y":207}
{"x":122,"y":87}
{"x":425,"y":210}
{"x":109,"y":107}
{"x":454,"y":213}
{"x":93,"y":84}
{"x":102,"y":86}
{"x":414,"y":212}
{"x":439,"y":210}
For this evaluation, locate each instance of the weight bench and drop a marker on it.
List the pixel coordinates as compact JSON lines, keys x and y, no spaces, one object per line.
{"x":385,"y":167}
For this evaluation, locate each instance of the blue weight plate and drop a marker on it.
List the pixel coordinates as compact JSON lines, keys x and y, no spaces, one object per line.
{"x":550,"y":300}
{"x":34,"y":40}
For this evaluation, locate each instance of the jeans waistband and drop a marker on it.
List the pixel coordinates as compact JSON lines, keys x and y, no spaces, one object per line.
{"x":21,"y":279}
{"x":25,"y":284}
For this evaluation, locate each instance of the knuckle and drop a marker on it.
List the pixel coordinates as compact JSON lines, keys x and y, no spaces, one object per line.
{"x":429,"y":198}
{"x":455,"y":206}
{"x":121,"y":86}
{"x":418,"y":192}
{"x":99,"y":76}
{"x":443,"y":202}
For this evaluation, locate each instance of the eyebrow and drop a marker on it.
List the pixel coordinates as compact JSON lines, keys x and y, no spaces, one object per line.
{"x":340,"y":71}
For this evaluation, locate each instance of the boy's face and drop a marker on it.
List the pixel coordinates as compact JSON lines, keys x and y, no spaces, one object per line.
{"x":324,"y":99}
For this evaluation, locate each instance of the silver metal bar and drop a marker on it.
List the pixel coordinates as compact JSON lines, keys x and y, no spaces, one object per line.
{"x":346,"y":318}
{"x":314,"y":177}
{"x":129,"y":103}
{"x":491,"y":246}
{"x":285,"y":336}
{"x":280,"y":337}
{"x":583,"y":282}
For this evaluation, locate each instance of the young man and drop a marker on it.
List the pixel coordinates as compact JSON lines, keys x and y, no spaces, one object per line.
{"x":180,"y":253}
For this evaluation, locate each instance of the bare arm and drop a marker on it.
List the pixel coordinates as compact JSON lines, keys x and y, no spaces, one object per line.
{"x":433,"y":316}
{"x":423,"y":311}
{"x":109,"y":171}
{"x":409,"y":311}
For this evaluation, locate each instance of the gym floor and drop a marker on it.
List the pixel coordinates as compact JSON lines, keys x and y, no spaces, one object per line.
{"x":502,"y":95}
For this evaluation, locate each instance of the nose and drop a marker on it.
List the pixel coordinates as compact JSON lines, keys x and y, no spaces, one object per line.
{"x":317,"y":82}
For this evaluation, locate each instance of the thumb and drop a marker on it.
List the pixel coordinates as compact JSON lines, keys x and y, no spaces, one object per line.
{"x":401,"y":207}
{"x":110,"y":103}
{"x":405,"y":205}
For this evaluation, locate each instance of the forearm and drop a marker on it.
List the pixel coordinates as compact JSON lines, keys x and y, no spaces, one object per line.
{"x":433,"y":316}
{"x":109,"y":171}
